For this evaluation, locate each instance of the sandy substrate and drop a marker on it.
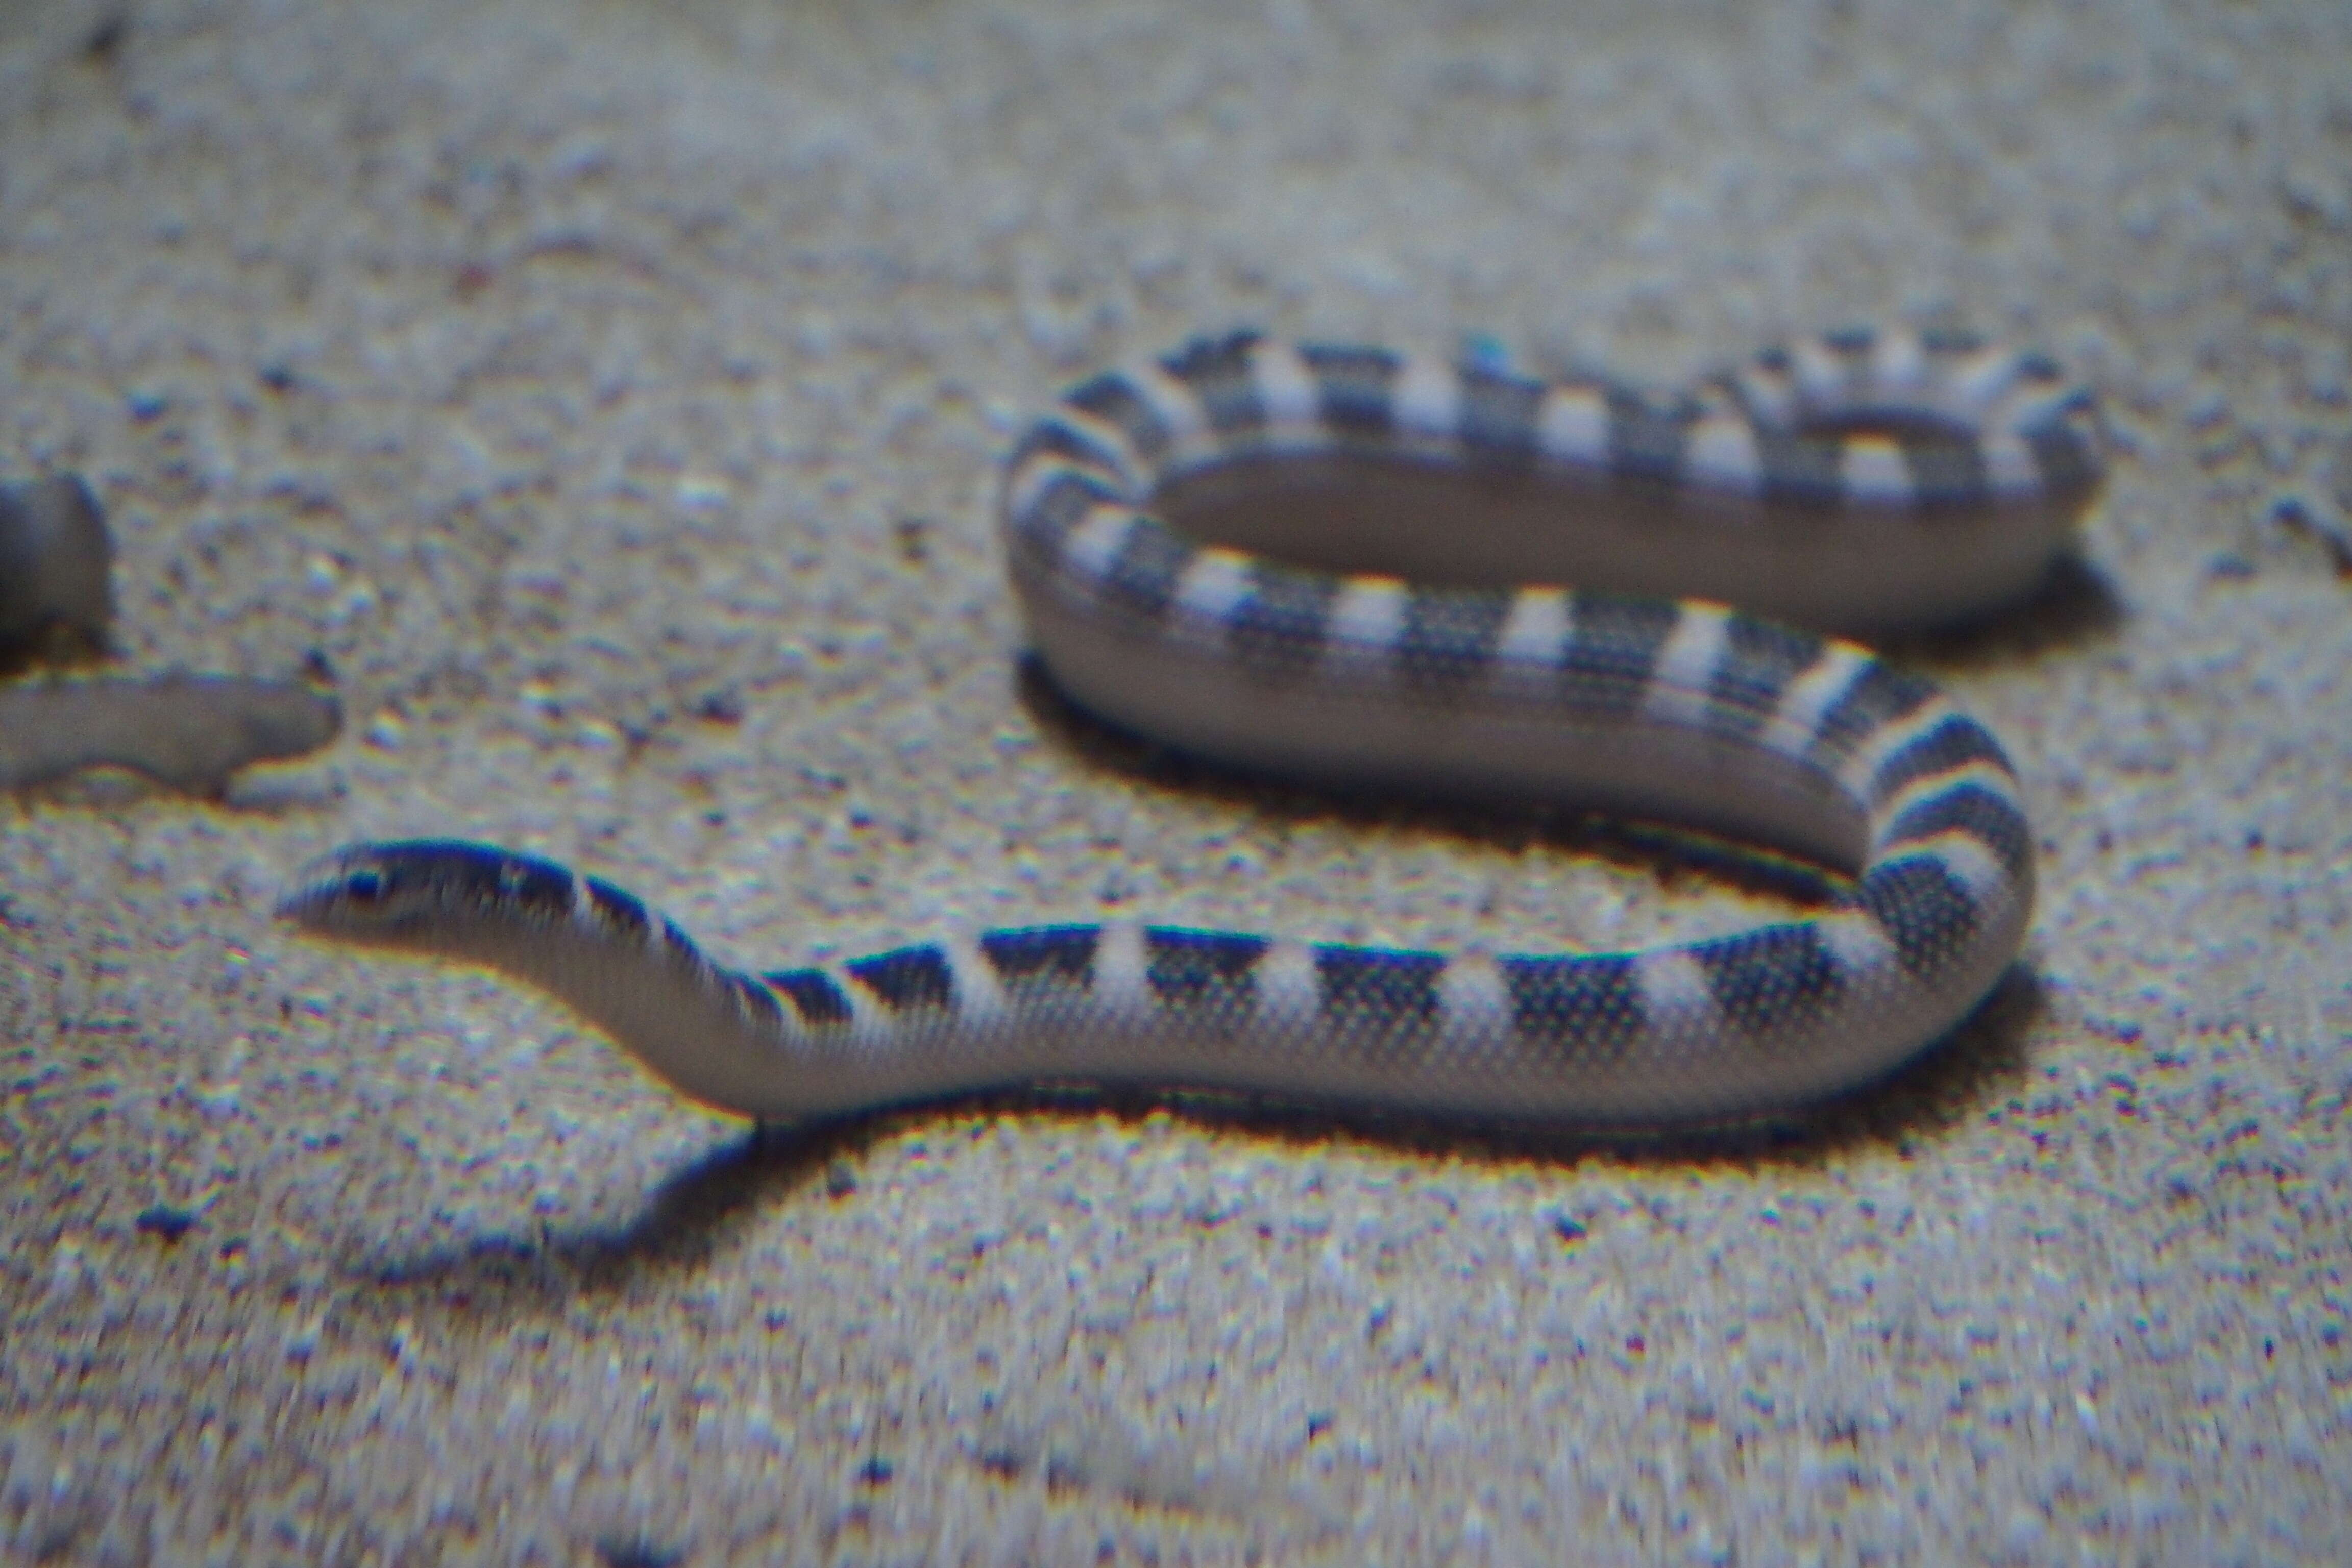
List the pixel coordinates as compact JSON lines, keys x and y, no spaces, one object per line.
{"x":610,"y":395}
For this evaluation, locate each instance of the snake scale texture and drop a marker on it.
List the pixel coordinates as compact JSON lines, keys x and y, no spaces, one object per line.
{"x":1313,"y":561}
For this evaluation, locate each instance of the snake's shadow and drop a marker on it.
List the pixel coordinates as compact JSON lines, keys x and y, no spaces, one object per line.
{"x":705,"y":1208}
{"x":2076,"y":606}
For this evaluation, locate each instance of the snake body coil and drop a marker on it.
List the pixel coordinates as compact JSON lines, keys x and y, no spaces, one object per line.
{"x":1859,"y":480}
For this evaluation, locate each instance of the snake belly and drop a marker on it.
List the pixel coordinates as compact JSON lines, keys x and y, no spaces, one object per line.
{"x":1313,"y":560}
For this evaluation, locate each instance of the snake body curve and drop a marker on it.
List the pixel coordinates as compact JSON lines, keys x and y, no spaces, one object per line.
{"x":1342,"y":600}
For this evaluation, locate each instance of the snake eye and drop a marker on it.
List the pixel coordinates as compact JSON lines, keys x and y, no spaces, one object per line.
{"x":365,"y":887}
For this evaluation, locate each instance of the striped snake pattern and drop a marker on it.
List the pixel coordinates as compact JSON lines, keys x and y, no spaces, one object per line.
{"x":1310,"y":560}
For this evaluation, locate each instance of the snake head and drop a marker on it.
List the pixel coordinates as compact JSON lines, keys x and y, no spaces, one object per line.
{"x":425,"y":894}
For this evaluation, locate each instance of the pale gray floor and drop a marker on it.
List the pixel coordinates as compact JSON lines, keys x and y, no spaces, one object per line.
{"x":570,"y":374}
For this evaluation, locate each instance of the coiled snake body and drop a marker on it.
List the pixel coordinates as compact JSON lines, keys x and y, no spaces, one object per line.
{"x":1343,"y":601}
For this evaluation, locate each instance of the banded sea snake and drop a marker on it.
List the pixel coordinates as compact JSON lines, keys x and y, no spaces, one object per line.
{"x":1855,"y":481}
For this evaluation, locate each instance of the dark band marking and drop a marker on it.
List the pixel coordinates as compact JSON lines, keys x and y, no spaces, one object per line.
{"x":1042,"y":957}
{"x":907,"y":979}
{"x":1948,"y":477}
{"x":1800,"y":470}
{"x":812,"y":991}
{"x":1878,"y":696}
{"x":539,"y":887}
{"x":621,"y":910}
{"x":1377,"y":993}
{"x":1280,"y":628}
{"x":1646,"y":443}
{"x":1612,"y":649}
{"x":453,"y":874}
{"x":1354,"y":389}
{"x":472,"y":875}
{"x":1217,"y":370}
{"x":1151,"y":560}
{"x":1587,"y":1008}
{"x":757,"y":997}
{"x":1052,"y":436}
{"x":1850,"y":342}
{"x":1203,"y":973}
{"x":1112,"y":398}
{"x":1760,"y":659}
{"x":1449,"y":635}
{"x":1973,"y":809}
{"x":1501,"y":418}
{"x":1772,"y":984}
{"x":1065,"y":500}
{"x":1925,"y":911}
{"x":1955,"y":742}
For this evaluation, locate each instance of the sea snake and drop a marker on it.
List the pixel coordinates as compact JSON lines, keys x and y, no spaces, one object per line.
{"x":1341,"y":602}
